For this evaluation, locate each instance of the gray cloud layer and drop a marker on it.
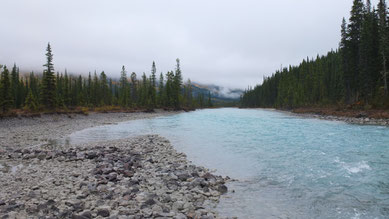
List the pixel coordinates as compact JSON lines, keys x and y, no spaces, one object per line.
{"x":225,"y":42}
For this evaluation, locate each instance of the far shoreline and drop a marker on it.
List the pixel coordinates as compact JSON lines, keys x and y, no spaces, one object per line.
{"x":351,"y":116}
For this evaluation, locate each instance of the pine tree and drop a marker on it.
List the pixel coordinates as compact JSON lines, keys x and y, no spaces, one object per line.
{"x":354,"y":34}
{"x":60,"y":91}
{"x":33,"y":84}
{"x":169,"y":89}
{"x":89,"y":90}
{"x":134,"y":86}
{"x":48,"y":81}
{"x":200,"y":100}
{"x":189,"y":94}
{"x":177,"y":82}
{"x":104,"y":89}
{"x":123,"y":88}
{"x":96,"y":98}
{"x":153,"y":85}
{"x":31,"y":103}
{"x":79,"y":92}
{"x":369,"y":55}
{"x":110,"y":95}
{"x":209,"y":99}
{"x":344,"y":50}
{"x":66,"y":90}
{"x":15,"y":87}
{"x":144,"y":92}
{"x":161,"y":90}
{"x":384,"y":42}
{"x":5,"y":88}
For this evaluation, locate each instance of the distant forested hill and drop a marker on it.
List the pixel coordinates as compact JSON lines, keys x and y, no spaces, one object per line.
{"x":220,"y":96}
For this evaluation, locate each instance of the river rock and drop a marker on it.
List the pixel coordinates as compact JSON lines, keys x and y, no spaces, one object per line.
{"x":222,"y":189}
{"x":103,"y":212}
{"x":138,"y":177}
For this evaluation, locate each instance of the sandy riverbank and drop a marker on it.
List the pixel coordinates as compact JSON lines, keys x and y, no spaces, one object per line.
{"x":130,"y":178}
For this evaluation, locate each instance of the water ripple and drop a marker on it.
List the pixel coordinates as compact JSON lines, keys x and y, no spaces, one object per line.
{"x":287,"y":166}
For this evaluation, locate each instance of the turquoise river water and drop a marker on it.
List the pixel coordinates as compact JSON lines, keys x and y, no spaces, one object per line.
{"x":287,"y":166}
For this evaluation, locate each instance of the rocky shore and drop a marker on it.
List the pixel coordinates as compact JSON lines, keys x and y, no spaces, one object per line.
{"x":36,"y":131}
{"x":142,"y":177}
{"x":359,"y":120}
{"x":352,"y":116}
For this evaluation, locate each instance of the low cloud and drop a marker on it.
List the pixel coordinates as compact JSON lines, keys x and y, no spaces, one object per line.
{"x":226,"y":42}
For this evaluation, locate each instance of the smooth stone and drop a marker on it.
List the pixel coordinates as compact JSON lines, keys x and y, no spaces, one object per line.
{"x":222,"y":189}
{"x":78,"y":217}
{"x":87,"y":214}
{"x":104,"y":212}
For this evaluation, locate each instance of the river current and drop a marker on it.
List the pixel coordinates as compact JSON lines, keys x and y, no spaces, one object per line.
{"x":286,"y":166}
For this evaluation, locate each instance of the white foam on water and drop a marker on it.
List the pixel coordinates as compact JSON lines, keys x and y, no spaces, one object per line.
{"x":359,"y":167}
{"x":353,"y":168}
{"x":357,"y":215}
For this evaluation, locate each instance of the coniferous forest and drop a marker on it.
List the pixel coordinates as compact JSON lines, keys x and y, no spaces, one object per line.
{"x":356,"y":74}
{"x":53,"y":91}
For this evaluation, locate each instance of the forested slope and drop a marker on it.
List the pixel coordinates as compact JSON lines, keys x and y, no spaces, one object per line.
{"x":54,"y":91}
{"x":356,"y":74}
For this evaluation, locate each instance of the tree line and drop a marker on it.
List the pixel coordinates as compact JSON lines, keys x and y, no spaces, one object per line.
{"x":355,"y":74}
{"x":53,"y":91}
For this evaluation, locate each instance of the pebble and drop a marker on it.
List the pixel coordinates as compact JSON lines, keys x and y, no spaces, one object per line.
{"x":130,"y":178}
{"x":104,"y":212}
{"x":144,"y":174}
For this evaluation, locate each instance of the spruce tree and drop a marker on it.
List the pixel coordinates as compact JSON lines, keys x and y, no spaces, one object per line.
{"x":169,"y":89}
{"x":89,"y":89}
{"x":66,"y":90}
{"x":153,"y":85}
{"x":6,"y":101}
{"x":177,"y":82}
{"x":33,"y":84}
{"x":209,"y":99}
{"x":48,"y":81}
{"x":384,"y":43}
{"x":345,"y":53}
{"x":110,"y":95}
{"x":60,"y":91}
{"x":161,"y":90}
{"x":31,"y":103}
{"x":144,"y":91}
{"x":15,"y":87}
{"x":96,"y":98}
{"x":79,"y":92}
{"x":354,"y":34}
{"x":189,"y":94}
{"x":369,"y":55}
{"x":134,"y":86}
{"x":200,"y":100}
{"x":104,"y":89}
{"x":123,"y":88}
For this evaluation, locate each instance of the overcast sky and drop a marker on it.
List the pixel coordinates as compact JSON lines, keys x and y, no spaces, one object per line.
{"x":223,"y":42}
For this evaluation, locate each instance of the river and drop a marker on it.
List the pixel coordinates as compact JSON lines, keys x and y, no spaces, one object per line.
{"x":287,"y":166}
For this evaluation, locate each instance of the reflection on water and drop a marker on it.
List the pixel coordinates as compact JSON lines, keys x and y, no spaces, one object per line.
{"x":287,"y":166}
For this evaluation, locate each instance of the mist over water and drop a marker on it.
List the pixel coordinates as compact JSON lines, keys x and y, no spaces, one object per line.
{"x":287,"y":166}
